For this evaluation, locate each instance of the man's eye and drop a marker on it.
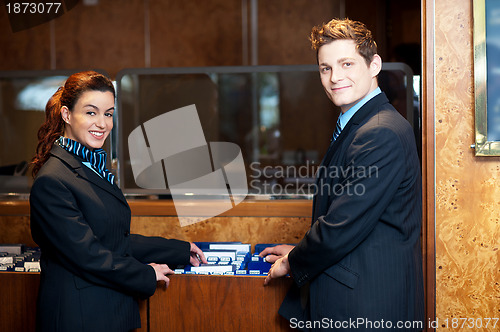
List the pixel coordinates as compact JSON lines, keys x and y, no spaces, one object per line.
{"x":109,"y":114}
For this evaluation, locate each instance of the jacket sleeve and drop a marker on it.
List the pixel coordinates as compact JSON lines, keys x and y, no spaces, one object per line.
{"x":151,"y":249}
{"x":60,"y":229}
{"x":374,"y":169}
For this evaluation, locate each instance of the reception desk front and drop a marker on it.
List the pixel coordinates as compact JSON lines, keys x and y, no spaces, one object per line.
{"x":218,"y":303}
{"x":191,"y":303}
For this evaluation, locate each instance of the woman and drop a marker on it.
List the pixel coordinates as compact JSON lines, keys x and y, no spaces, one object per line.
{"x":92,"y":267}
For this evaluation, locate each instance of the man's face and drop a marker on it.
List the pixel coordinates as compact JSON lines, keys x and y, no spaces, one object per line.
{"x":344,"y":73}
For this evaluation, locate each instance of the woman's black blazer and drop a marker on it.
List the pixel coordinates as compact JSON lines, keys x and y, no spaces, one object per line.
{"x":92,"y":268}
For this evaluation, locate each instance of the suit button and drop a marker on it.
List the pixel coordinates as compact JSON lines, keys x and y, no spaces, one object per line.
{"x":126,"y":233}
{"x":125,"y":255}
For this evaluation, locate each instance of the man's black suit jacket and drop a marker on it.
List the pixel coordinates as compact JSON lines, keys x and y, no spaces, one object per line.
{"x":361,"y":259}
{"x":92,"y":268}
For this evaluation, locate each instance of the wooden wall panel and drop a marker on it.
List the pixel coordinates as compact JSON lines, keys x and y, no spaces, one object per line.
{"x":195,"y":33}
{"x":467,"y":190}
{"x":26,"y":49}
{"x":428,"y":162}
{"x":285,"y":27}
{"x":105,"y":36}
{"x":145,"y":33}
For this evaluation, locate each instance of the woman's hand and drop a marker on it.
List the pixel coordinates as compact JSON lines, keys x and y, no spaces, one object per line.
{"x":161,"y":271}
{"x":197,"y":255}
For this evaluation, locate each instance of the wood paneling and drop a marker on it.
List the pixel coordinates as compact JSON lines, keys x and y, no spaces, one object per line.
{"x":190,"y":303}
{"x":26,"y":49}
{"x":251,"y":222}
{"x":145,"y":33}
{"x":219,"y":303}
{"x":467,"y":192}
{"x":19,"y":292}
{"x":106,"y":36}
{"x":248,"y":208}
{"x":428,"y":165}
{"x":15,"y":229}
{"x":195,"y":33}
{"x":285,"y":27}
{"x":251,"y":230}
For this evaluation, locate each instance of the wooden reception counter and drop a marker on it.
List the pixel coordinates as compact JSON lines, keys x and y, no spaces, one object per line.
{"x":191,"y":303}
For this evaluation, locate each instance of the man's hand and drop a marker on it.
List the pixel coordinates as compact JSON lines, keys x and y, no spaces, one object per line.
{"x":271,"y":254}
{"x":197,"y":255}
{"x":280,"y":268}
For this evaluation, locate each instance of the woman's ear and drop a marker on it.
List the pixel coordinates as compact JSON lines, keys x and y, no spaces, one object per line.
{"x":65,"y":114}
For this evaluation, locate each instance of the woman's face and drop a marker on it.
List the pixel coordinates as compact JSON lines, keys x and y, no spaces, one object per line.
{"x":91,"y":120}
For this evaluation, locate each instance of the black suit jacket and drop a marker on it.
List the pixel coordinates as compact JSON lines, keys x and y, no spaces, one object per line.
{"x":361,"y":258}
{"x":92,"y":268}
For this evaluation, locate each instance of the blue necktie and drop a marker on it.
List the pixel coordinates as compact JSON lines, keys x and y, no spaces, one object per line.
{"x":337,"y":131}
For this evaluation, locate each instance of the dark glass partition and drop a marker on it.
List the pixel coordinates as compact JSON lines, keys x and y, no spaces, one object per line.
{"x":278,"y":116}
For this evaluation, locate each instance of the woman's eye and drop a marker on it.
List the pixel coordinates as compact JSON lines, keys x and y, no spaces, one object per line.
{"x":91,"y":113}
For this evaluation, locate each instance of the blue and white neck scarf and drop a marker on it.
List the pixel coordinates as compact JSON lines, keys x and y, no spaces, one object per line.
{"x":96,"y":158}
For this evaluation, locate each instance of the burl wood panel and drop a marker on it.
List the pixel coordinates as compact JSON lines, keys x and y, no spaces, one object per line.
{"x":219,"y":303}
{"x":467,"y":187}
{"x":251,"y":230}
{"x":250,"y":222}
{"x":16,"y":229}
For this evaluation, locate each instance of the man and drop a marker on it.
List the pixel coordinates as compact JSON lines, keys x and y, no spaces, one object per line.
{"x":359,"y":266}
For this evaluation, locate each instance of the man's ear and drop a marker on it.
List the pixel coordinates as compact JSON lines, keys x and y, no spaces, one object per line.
{"x":376,"y":65}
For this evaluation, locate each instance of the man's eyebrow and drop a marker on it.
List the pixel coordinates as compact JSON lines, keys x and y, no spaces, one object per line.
{"x":345,"y":59}
{"x":338,"y":61}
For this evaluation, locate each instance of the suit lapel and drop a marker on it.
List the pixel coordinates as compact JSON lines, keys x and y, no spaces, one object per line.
{"x":77,"y":166}
{"x":361,"y":115}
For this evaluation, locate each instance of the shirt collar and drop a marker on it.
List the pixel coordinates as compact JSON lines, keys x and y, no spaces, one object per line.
{"x":345,"y":117}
